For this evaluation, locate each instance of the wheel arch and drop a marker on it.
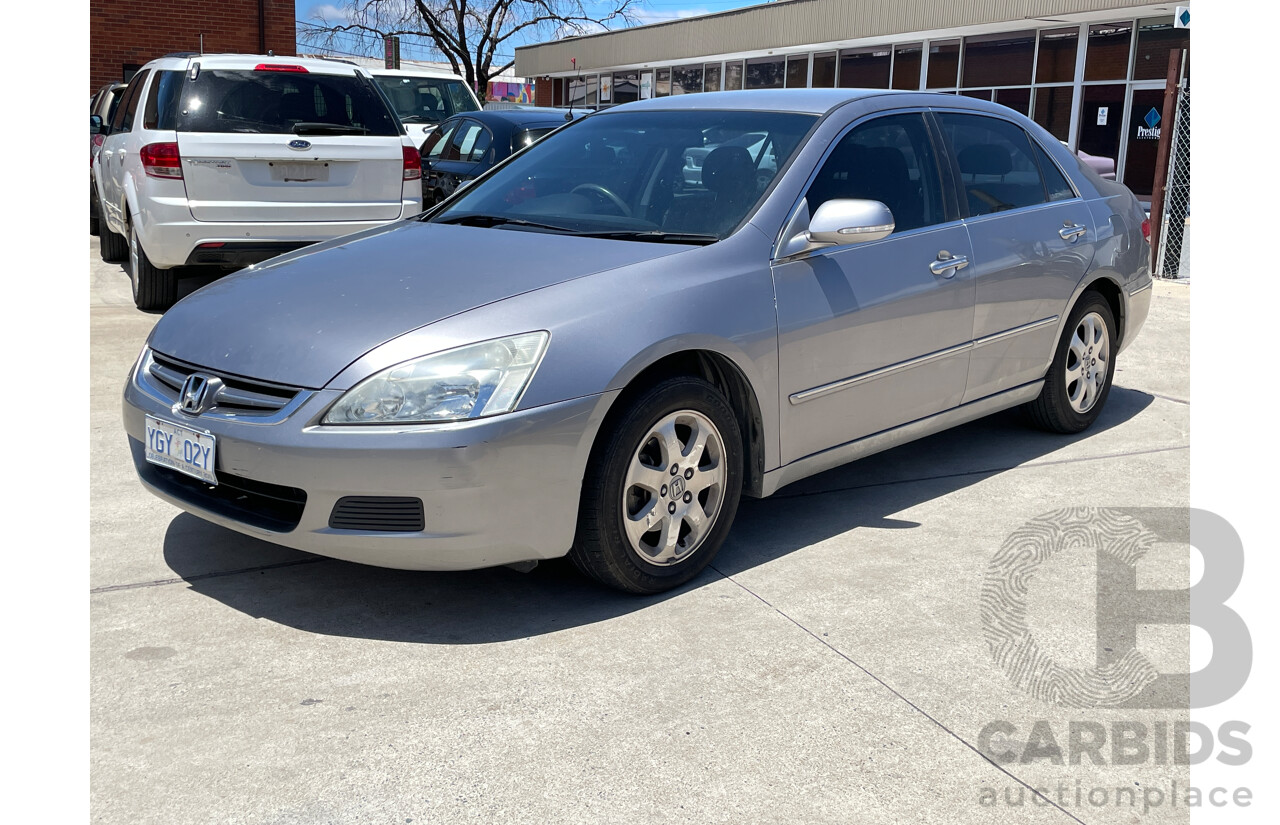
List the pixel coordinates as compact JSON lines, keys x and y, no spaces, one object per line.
{"x":717,"y":369}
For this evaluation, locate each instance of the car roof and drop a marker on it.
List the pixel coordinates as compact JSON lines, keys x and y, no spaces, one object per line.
{"x":249,"y":61}
{"x":806,"y":101}
{"x":522,"y":117}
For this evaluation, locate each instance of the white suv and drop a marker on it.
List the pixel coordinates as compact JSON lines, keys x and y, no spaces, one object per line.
{"x":227,"y":160}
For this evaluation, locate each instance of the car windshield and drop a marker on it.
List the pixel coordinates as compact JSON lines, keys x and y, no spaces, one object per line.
{"x":282,"y":102}
{"x":425,"y":99}
{"x":683,"y":176}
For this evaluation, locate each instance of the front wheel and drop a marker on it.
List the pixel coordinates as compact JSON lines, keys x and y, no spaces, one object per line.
{"x":1079,"y":378}
{"x":662,"y":489}
{"x":153,"y":288}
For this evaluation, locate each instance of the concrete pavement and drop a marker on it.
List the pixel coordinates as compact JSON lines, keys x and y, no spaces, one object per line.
{"x":831,"y":667}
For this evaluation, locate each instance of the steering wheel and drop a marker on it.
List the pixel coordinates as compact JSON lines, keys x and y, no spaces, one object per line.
{"x":605,"y":193}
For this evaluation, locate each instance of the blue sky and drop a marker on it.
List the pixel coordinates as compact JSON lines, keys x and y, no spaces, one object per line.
{"x":649,"y":11}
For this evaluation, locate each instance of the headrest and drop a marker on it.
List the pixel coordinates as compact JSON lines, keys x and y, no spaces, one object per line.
{"x":985,"y":159}
{"x":728,"y":170}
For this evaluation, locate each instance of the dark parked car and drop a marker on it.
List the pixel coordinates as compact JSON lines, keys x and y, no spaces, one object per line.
{"x":102,"y":105}
{"x":466,"y":145}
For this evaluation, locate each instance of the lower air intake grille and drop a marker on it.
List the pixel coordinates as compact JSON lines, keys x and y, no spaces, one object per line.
{"x":378,"y":513}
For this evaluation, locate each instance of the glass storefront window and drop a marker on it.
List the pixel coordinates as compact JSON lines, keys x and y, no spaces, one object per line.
{"x":686,"y":80}
{"x":662,"y":83}
{"x":824,"y":70}
{"x":1053,"y":110}
{"x":1017,"y":99}
{"x":765,"y":73}
{"x":1101,"y":115}
{"x":980,"y":94}
{"x":1107,"y":53}
{"x":1057,"y":60}
{"x":944,"y":64}
{"x":626,"y":86}
{"x":906,"y":66}
{"x":1156,"y":38}
{"x":798,"y":71}
{"x":999,"y":59}
{"x":864,"y":68}
{"x":711,"y":77}
{"x":584,"y":91}
{"x":733,"y":76}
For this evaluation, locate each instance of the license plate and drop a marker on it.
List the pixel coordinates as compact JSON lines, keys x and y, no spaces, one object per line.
{"x":182,"y":448}
{"x":300,"y":172}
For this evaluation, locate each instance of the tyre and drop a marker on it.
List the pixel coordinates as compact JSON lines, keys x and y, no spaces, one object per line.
{"x":112,"y":248}
{"x":661,"y":489}
{"x":93,"y":210}
{"x":153,"y":288}
{"x":1079,"y":379}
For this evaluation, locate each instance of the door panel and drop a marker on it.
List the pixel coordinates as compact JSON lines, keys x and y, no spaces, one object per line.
{"x":874,"y":313}
{"x":1032,"y":240}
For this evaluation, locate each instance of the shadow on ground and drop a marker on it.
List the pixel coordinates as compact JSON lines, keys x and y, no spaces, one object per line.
{"x":321,"y":595}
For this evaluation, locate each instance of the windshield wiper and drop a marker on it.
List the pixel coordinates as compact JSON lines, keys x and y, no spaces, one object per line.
{"x":476,"y":219}
{"x":653,"y":236}
{"x":419,"y":119}
{"x":306,"y":128}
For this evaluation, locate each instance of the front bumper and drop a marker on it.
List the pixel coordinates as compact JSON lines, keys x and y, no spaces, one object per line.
{"x":494,"y":491}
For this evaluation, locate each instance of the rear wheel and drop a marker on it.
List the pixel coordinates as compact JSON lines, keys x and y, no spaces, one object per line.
{"x":153,"y":288}
{"x":112,"y":247}
{"x":662,"y":489}
{"x":1079,"y":378}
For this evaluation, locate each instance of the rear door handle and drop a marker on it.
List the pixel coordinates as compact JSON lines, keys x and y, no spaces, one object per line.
{"x":1071,"y":231}
{"x":948,"y":265}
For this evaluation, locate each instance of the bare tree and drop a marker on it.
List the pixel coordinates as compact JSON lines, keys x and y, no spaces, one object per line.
{"x":473,"y":35}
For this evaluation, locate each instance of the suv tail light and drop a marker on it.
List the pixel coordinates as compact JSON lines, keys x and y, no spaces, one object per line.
{"x":412,"y":163}
{"x":1146,"y":229}
{"x":161,"y":160}
{"x":280,"y":67}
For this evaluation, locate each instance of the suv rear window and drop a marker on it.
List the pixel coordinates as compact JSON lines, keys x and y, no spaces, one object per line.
{"x":221,"y":100}
{"x":425,"y":99}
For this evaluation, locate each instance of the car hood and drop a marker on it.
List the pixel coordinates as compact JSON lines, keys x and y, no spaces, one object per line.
{"x":301,"y":318}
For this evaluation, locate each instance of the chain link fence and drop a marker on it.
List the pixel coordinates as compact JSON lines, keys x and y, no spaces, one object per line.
{"x":1174,"y":258}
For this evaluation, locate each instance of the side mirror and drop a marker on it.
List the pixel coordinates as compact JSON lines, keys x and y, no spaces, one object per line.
{"x":95,"y":125}
{"x":850,"y":221}
{"x":835,"y":223}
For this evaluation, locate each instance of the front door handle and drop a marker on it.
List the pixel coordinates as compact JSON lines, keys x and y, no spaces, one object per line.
{"x":948,"y":265}
{"x":1071,"y":231}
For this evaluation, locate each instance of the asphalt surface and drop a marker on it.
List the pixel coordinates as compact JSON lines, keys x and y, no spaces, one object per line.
{"x":830,"y":667}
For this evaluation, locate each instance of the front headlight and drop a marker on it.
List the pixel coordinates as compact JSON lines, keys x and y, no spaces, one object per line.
{"x":468,"y":382}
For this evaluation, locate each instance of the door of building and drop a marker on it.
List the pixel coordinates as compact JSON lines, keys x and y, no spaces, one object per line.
{"x":1142,"y":136}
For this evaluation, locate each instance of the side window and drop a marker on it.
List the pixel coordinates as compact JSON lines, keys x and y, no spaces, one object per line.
{"x":1057,"y":185}
{"x":438,"y":140}
{"x":117,"y":119}
{"x":162,"y":101}
{"x":131,"y":105}
{"x":891,"y":160}
{"x":464,"y":139}
{"x":998,"y":169}
{"x":480,"y":147}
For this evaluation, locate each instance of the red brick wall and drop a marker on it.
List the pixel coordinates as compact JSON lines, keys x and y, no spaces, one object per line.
{"x":136,"y":31}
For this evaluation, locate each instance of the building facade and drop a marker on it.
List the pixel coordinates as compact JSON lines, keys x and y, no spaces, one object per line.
{"x":1092,"y":72}
{"x":125,"y":34}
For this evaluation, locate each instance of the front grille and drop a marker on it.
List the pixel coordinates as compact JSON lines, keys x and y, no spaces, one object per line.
{"x":236,"y":396}
{"x":387,"y":514}
{"x":256,"y":503}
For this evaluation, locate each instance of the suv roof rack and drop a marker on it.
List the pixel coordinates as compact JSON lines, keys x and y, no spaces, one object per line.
{"x":181,"y":54}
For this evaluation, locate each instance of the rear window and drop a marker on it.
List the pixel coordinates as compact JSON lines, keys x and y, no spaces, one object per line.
{"x":221,"y":100}
{"x":527,"y":137}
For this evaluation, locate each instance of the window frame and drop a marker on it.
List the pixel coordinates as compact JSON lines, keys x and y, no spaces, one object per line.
{"x":950,"y":205}
{"x":127,"y":98}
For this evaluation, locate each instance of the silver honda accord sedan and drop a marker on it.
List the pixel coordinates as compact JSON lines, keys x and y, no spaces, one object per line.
{"x":602,"y":344}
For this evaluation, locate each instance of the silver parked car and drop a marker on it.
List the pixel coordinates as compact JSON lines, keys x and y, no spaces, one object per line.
{"x":587,"y":352}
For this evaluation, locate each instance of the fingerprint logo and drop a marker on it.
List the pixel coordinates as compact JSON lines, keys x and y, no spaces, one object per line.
{"x":1114,"y":534}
